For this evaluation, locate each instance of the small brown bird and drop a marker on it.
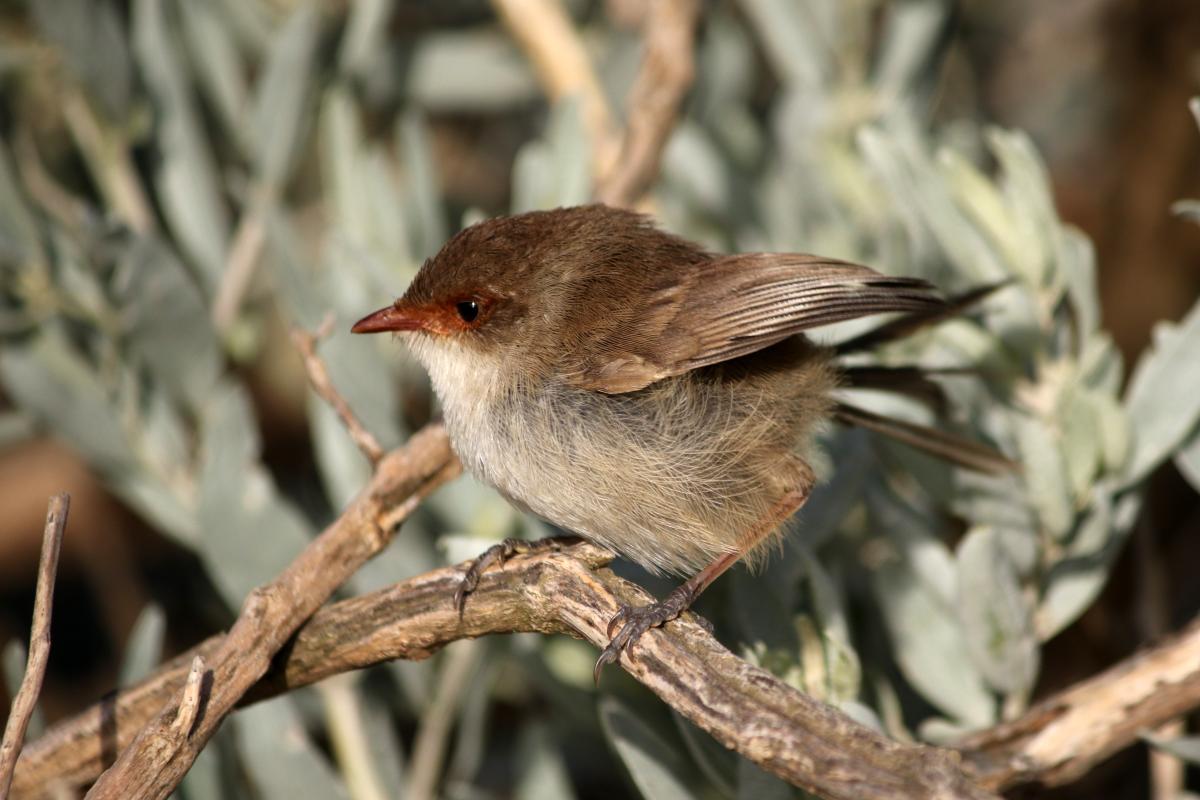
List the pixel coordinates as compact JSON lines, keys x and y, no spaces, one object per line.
{"x":650,"y":396}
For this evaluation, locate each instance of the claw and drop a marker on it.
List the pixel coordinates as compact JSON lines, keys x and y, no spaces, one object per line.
{"x":617,"y":620}
{"x":497,"y":554}
{"x":633,"y":622}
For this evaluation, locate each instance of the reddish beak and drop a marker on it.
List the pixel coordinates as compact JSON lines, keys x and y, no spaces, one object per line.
{"x":390,"y":318}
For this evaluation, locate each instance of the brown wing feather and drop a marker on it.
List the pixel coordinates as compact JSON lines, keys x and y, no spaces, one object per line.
{"x":725,"y":307}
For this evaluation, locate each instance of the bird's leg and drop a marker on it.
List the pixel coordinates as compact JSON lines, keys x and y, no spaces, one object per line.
{"x":633,"y":622}
{"x":499,"y":553}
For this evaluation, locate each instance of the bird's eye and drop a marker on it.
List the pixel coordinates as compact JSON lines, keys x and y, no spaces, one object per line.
{"x":467,"y":309}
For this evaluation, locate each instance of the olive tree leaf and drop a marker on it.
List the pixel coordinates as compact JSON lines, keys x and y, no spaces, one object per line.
{"x":655,"y":766}
{"x":250,"y":532}
{"x":281,"y":759}
{"x":995,"y":618}
{"x":186,"y":171}
{"x":1163,"y":399}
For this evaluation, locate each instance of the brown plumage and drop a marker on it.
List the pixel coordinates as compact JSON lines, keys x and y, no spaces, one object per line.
{"x":639,"y":391}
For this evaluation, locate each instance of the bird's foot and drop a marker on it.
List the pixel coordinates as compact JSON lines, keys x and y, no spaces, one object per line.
{"x":633,"y":622}
{"x":497,"y":554}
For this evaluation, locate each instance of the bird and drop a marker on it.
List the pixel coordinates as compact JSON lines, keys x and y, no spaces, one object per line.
{"x":648,"y":395}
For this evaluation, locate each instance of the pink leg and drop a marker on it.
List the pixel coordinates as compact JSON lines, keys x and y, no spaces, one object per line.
{"x":633,"y":622}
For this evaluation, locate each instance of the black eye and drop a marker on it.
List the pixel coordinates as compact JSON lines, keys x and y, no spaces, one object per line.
{"x":467,"y":309}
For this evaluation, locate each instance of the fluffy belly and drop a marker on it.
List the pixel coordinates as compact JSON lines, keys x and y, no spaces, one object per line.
{"x":641,"y":474}
{"x":671,"y":476}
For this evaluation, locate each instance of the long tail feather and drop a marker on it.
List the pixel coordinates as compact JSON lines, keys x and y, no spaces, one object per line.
{"x":953,"y":448}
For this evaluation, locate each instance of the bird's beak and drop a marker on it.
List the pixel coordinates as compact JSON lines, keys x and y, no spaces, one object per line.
{"x":390,"y":318}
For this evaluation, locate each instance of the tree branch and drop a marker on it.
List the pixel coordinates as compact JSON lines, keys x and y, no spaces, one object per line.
{"x":39,"y":641}
{"x":154,"y":763}
{"x":1067,"y":734}
{"x":745,"y":708}
{"x":666,"y":74}
{"x":318,"y":377}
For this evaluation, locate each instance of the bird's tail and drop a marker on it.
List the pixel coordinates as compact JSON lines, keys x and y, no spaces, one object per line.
{"x":916,"y":383}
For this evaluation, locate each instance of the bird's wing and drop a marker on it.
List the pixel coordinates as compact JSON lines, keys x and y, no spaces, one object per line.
{"x":730,"y":306}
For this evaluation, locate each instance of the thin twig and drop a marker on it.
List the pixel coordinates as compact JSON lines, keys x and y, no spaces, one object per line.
{"x":569,"y":592}
{"x":666,"y":74}
{"x":318,"y":377}
{"x":39,"y":641}
{"x":545,"y":32}
{"x":273,"y":612}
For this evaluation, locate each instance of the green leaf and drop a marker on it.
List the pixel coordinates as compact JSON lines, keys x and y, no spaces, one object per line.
{"x":1188,"y":209}
{"x":20,"y":239}
{"x":1186,"y":748}
{"x":1077,"y":263}
{"x":220,"y":69}
{"x":654,"y":765}
{"x":281,"y":760}
{"x":909,"y":45}
{"x":166,"y":324}
{"x":754,"y":783}
{"x":90,"y":36}
{"x":186,"y":172}
{"x":476,"y":71}
{"x":543,"y":773}
{"x":1027,"y":189}
{"x":1075,"y":580}
{"x":143,"y":652}
{"x":425,"y":216}
{"x":1045,"y":472}
{"x":1187,"y":460}
{"x":797,"y":49}
{"x":930,"y":646}
{"x":250,"y":533}
{"x":1163,"y":399}
{"x":283,"y":91}
{"x":555,"y":171}
{"x":48,"y":378}
{"x":720,"y":765}
{"x":994,"y":615}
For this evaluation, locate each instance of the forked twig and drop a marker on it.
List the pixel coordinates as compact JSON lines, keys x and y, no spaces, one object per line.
{"x":318,"y":377}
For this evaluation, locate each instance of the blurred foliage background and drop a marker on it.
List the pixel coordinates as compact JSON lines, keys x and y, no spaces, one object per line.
{"x":181,"y":181}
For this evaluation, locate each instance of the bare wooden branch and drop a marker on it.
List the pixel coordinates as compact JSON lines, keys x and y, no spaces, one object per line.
{"x":39,"y":641}
{"x":318,"y":377}
{"x":545,"y":32}
{"x":745,"y":708}
{"x":273,"y":612}
{"x":189,"y":704}
{"x":1067,"y":734}
{"x":666,"y":74}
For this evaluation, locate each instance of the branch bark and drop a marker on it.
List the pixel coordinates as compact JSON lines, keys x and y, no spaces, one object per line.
{"x":154,"y":763}
{"x":1067,"y":734}
{"x":749,"y":710}
{"x":666,"y":74}
{"x":25,"y":702}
